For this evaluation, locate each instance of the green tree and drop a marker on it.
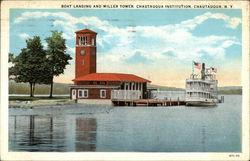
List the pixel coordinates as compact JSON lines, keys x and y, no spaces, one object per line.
{"x":57,"y":58}
{"x":29,"y":66}
{"x":11,"y":57}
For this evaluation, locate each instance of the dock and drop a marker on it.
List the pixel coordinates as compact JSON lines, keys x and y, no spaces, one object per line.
{"x":156,"y":98}
{"x":147,"y":102}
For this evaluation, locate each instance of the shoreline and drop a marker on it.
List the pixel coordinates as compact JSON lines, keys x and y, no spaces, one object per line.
{"x":55,"y":101}
{"x":39,"y":103}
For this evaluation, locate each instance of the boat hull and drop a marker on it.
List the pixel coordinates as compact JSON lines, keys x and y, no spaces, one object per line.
{"x":200,"y":103}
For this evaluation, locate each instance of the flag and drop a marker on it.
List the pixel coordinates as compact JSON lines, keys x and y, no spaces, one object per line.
{"x":197,"y":65}
{"x":214,"y":70}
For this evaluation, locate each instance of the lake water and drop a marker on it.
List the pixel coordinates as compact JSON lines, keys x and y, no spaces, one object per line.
{"x":132,"y":129}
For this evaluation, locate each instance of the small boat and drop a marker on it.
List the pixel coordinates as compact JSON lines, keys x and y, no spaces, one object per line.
{"x":201,"y":89}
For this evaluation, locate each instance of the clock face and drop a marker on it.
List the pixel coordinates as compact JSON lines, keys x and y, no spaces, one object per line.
{"x":82,"y":52}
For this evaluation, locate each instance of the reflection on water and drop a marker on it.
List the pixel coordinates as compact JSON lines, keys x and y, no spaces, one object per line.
{"x":132,"y":129}
{"x":86,"y":134}
{"x":35,"y":133}
{"x":48,"y":133}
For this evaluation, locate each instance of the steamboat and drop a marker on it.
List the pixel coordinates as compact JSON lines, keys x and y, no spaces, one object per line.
{"x":201,"y":89}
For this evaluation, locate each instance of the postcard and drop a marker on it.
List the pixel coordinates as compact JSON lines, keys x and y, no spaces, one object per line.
{"x":116,"y":80}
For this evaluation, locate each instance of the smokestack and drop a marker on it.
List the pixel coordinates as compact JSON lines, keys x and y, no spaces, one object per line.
{"x":203,"y":71}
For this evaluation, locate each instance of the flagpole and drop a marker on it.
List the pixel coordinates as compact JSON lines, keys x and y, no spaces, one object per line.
{"x":192,"y":67}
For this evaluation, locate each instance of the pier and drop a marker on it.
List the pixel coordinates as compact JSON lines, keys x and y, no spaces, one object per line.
{"x":157,"y":98}
{"x":147,"y":102}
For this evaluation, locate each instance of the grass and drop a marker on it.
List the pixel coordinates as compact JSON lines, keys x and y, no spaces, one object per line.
{"x":27,"y":98}
{"x":24,"y":88}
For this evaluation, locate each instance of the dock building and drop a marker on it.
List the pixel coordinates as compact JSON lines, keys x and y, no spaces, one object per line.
{"x":92,"y":87}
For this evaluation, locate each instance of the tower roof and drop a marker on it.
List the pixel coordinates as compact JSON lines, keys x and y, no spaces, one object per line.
{"x":86,"y":31}
{"x":111,"y":77}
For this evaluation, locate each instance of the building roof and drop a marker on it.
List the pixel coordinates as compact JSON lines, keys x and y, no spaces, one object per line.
{"x":111,"y":77}
{"x":86,"y":31}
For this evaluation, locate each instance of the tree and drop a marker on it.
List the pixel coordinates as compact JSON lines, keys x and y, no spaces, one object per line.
{"x":11,"y":57}
{"x":57,"y":58}
{"x":29,"y":66}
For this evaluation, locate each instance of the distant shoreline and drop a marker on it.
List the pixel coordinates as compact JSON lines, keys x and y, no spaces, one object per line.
{"x":61,"y":89}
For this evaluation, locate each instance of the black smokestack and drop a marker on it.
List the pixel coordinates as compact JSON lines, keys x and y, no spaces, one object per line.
{"x":203,"y":71}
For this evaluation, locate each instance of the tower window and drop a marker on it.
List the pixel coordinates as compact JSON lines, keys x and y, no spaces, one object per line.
{"x":93,"y":41}
{"x":83,"y":41}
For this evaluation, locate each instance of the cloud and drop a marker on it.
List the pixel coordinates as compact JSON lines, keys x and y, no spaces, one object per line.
{"x":65,"y":20}
{"x":164,"y":52}
{"x":71,"y":52}
{"x":231,"y":22}
{"x":154,"y":43}
{"x":45,"y":45}
{"x":24,"y":36}
{"x":138,"y":58}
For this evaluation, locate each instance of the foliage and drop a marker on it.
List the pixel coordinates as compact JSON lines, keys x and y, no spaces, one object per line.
{"x":231,"y":91}
{"x":165,"y":88}
{"x":57,"y":58}
{"x":34,"y":65}
{"x":29,"y":65}
{"x":11,"y":57}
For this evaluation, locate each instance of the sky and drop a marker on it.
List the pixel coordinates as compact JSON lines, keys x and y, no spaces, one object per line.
{"x":156,"y":44}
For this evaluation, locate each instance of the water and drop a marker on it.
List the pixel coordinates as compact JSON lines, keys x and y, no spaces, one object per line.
{"x":131,"y":129}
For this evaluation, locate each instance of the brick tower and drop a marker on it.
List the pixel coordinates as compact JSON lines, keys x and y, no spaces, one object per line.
{"x":85,"y":56}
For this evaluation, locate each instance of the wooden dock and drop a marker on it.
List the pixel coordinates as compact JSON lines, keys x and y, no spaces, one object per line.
{"x":147,"y":102}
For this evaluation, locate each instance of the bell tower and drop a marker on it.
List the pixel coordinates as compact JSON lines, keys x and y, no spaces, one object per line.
{"x":85,"y":56}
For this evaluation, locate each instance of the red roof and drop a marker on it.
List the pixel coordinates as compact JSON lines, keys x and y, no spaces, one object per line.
{"x":111,"y":77}
{"x":86,"y":31}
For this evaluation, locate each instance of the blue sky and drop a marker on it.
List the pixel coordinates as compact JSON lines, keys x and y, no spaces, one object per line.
{"x":159,"y":45}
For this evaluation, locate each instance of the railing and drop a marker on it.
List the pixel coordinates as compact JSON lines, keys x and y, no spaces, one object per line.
{"x":207,"y":76}
{"x":126,"y":94}
{"x":201,"y":89}
{"x":168,"y":95}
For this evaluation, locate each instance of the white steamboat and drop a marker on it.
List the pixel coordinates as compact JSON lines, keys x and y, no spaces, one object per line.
{"x":201,"y":90}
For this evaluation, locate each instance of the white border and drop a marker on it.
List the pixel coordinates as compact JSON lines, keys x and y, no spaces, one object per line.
{"x":5,"y":155}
